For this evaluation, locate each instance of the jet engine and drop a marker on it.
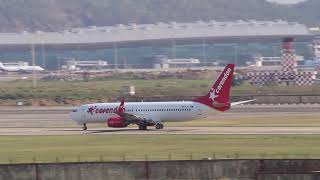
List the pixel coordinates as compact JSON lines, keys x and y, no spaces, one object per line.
{"x":116,"y":122}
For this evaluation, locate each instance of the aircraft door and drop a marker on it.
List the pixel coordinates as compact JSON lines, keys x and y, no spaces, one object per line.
{"x":83,"y":111}
{"x":199,"y":110}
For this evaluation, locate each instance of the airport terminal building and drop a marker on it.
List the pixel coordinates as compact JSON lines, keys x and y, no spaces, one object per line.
{"x":134,"y":45}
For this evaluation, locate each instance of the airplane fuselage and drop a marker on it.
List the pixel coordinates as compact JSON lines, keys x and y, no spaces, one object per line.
{"x":20,"y":68}
{"x":157,"y":111}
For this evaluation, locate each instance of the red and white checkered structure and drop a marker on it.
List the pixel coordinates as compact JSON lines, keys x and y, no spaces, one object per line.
{"x":289,"y":74}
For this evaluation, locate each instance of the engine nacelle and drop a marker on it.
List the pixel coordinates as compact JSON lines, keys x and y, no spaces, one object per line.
{"x":117,"y":122}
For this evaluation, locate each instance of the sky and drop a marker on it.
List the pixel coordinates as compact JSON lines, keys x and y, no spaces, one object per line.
{"x":286,"y":1}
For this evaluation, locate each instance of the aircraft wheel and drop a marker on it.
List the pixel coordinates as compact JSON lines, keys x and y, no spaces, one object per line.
{"x":158,"y":126}
{"x":84,"y":127}
{"x":142,"y":127}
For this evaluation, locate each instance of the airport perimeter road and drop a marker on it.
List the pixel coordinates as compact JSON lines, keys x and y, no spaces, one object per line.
{"x":247,"y":119}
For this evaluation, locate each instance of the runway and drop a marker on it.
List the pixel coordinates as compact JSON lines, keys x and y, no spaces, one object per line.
{"x":168,"y":130}
{"x":250,"y":120}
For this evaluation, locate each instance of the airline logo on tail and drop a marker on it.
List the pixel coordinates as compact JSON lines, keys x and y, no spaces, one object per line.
{"x":218,"y":96}
{"x":223,"y":80}
{"x":121,"y":108}
{"x":214,"y":93}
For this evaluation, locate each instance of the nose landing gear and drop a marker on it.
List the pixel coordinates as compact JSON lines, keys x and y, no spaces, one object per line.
{"x":84,"y":127}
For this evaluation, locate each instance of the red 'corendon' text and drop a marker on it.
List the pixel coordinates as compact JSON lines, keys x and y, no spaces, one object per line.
{"x":95,"y":110}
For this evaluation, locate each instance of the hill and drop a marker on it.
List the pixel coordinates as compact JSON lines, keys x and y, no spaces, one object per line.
{"x":53,"y":15}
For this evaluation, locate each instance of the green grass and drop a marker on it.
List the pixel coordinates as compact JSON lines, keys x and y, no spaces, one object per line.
{"x":21,"y":149}
{"x":105,"y":89}
{"x":99,"y":89}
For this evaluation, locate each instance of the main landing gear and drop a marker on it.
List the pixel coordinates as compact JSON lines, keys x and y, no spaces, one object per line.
{"x":84,"y":127}
{"x":142,"y":127}
{"x":159,"y":126}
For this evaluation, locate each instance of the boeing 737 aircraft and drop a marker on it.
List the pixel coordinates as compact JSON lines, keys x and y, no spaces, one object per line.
{"x":20,"y":68}
{"x":146,"y":114}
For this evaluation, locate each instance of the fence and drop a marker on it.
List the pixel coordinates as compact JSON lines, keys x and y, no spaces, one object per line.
{"x":153,"y":157}
{"x":248,"y":169}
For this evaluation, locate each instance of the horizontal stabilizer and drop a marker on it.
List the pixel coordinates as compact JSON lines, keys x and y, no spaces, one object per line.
{"x":242,"y":102}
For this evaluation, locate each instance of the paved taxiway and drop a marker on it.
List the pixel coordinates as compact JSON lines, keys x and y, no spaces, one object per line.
{"x":55,"y":121}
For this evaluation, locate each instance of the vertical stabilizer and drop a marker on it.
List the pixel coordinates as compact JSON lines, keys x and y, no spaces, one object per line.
{"x":218,"y":96}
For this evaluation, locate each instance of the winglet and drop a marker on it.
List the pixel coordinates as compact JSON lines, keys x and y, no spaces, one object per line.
{"x":121,"y":108}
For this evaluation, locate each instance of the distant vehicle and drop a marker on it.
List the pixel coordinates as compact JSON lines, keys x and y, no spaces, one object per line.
{"x":20,"y":68}
{"x":146,"y":114}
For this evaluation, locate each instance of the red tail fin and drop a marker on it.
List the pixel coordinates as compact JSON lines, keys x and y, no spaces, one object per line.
{"x":218,"y":96}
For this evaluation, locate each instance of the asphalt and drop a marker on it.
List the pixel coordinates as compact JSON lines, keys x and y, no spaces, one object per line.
{"x":55,"y":121}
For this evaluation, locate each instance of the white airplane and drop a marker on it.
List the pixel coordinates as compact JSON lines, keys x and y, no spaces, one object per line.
{"x":146,"y":114}
{"x":20,"y":68}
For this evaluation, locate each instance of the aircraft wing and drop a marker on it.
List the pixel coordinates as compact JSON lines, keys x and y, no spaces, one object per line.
{"x":133,"y":119}
{"x":242,"y":102}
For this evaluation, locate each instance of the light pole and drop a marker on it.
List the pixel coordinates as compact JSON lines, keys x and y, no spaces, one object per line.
{"x":44,"y":64}
{"x":236,"y":52}
{"x":204,"y":51}
{"x":173,"y":48}
{"x":34,"y":78}
{"x":115,"y":53}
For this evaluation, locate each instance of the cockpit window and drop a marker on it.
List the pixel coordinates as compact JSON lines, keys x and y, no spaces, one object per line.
{"x":75,"y":110}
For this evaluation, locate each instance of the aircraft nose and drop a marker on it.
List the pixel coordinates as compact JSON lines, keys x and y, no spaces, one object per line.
{"x":74,"y":114}
{"x":71,"y":115}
